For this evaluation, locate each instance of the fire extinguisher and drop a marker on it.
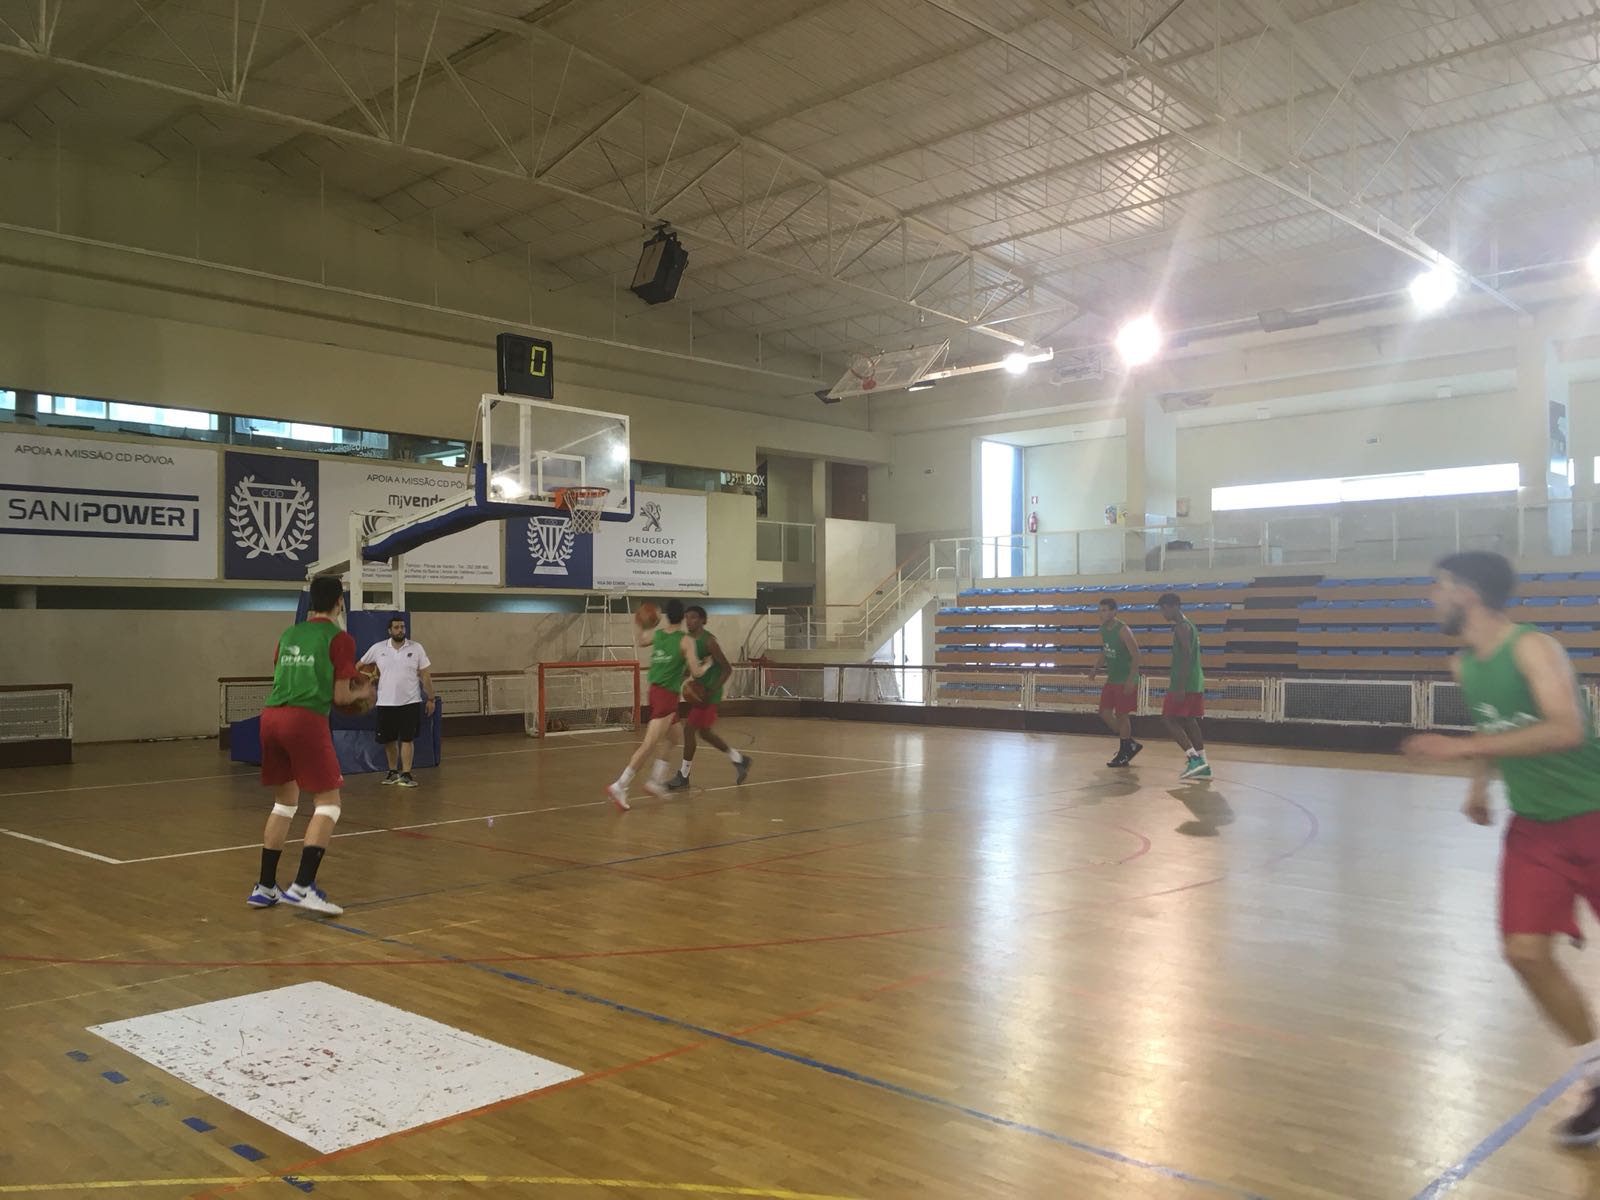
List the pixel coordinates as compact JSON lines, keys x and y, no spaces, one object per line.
{"x":1033,"y":522}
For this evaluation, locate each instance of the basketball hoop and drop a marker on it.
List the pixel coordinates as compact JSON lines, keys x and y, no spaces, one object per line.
{"x":583,"y":505}
{"x":865,"y":368}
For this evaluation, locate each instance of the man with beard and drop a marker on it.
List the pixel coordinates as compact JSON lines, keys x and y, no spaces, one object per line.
{"x":1534,"y":729}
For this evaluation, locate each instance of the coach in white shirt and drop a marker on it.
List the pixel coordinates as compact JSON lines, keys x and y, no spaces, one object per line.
{"x":403,"y":681}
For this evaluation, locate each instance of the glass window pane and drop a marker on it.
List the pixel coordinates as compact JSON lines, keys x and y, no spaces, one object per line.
{"x":172,"y":418}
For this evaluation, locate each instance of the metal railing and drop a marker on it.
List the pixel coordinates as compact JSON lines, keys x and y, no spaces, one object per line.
{"x":1376,"y":703}
{"x":32,"y":712}
{"x":786,"y":542}
{"x":863,"y":626}
{"x":1355,"y":536}
{"x":463,"y":694}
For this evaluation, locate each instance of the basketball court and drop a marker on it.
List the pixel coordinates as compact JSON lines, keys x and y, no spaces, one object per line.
{"x":986,"y":375}
{"x":893,"y":963}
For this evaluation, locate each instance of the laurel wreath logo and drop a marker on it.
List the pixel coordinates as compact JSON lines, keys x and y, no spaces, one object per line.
{"x":565,"y":547}
{"x":248,"y":535}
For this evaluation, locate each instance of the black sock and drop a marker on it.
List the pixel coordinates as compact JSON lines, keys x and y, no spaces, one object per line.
{"x":310,"y":860}
{"x":1127,"y":744}
{"x":269,"y":867}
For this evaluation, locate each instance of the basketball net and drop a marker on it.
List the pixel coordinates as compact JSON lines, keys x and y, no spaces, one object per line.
{"x":865,"y":368}
{"x":583,"y":505}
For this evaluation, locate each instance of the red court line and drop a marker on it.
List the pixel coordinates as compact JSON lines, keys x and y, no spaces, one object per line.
{"x":754,"y":863}
{"x":1144,"y":848}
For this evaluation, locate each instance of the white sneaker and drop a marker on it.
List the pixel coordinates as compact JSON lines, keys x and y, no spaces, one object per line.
{"x":263,"y":897}
{"x":312,"y":899}
{"x":619,"y":796}
{"x":658,"y":790}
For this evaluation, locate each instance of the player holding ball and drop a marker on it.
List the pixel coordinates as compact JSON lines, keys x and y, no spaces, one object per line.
{"x":672,"y":655}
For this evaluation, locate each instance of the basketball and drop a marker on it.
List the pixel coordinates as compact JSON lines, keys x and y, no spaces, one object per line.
{"x":359,"y":708}
{"x":694,"y":692}
{"x":646,"y":615}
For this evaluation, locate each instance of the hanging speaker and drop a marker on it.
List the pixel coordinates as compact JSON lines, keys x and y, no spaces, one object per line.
{"x":660,"y":269}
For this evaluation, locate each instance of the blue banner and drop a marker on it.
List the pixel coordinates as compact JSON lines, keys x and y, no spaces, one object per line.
{"x":544,"y":552}
{"x":270,"y":516}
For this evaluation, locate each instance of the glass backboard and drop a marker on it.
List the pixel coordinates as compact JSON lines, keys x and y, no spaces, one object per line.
{"x":534,"y":447}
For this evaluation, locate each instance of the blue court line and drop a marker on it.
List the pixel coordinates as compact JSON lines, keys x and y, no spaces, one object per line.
{"x":1109,"y":1155}
{"x":1484,"y":1150}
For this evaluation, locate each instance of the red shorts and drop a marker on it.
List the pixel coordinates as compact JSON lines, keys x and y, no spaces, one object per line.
{"x":1183,"y":704}
{"x":701,"y":716}
{"x":1119,"y":698}
{"x":662,"y":702}
{"x":1546,"y":868}
{"x":297,"y":747}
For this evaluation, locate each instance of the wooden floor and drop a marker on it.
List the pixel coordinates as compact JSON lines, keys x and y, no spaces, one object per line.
{"x":897,"y":963}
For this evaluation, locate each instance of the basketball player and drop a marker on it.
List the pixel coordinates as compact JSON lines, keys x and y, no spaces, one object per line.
{"x":1119,"y":656}
{"x":1535,"y":730}
{"x":671,"y":654}
{"x":315,"y":668}
{"x":699,"y":718}
{"x":1185,"y":702}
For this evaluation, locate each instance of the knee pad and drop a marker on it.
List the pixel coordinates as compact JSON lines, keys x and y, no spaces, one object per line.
{"x":285,"y":810}
{"x":331,"y":811}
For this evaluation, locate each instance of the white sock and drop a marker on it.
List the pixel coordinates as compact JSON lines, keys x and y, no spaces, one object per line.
{"x":734,"y":756}
{"x":625,"y":778}
{"x":660,"y":771}
{"x":1196,"y":753}
{"x":685,"y":767}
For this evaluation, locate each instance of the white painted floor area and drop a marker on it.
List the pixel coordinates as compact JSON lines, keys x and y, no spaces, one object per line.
{"x":328,"y":1067}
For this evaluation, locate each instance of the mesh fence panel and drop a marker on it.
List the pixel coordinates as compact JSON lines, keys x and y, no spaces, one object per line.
{"x":460,"y":695}
{"x":35,"y":714}
{"x":244,"y":699}
{"x":1065,"y":693}
{"x":1447,"y":707}
{"x":1350,"y":701}
{"x":585,"y":696}
{"x":980,"y":689}
{"x":1233,"y":699}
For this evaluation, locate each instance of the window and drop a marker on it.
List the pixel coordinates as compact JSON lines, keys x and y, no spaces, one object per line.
{"x":72,"y":406}
{"x":172,"y":418}
{"x":294,"y":431}
{"x":1001,"y":508}
{"x":1410,"y":485}
{"x":8,"y":400}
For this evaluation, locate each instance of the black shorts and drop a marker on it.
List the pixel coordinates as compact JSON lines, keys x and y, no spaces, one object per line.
{"x":399,"y":722}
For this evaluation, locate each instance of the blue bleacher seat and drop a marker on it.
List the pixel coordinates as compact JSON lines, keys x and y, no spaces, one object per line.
{"x":1557,"y":577}
{"x":1578,"y":601}
{"x":1542,"y":601}
{"x":1413,"y":602}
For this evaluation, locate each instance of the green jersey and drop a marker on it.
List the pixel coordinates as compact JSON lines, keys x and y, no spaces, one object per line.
{"x":1191,"y":678}
{"x":1541,"y":787}
{"x":303,"y":676}
{"x":667,"y":665}
{"x":712,"y":680}
{"x":1119,"y":659}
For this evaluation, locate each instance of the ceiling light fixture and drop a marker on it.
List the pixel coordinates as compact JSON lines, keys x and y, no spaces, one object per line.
{"x":1015,"y":364}
{"x":1434,"y":288}
{"x":1139,"y":340}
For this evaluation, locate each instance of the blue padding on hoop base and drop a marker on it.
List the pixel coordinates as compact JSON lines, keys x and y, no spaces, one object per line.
{"x":355,"y":742}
